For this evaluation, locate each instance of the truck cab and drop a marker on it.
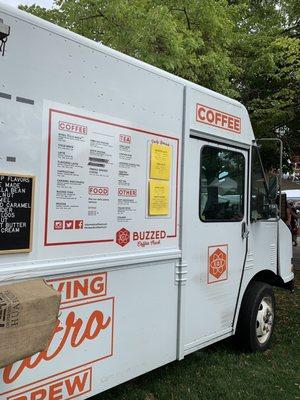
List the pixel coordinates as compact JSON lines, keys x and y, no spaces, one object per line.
{"x":231,"y":221}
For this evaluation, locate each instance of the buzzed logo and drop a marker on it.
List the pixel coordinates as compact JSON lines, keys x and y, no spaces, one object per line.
{"x":123,"y":237}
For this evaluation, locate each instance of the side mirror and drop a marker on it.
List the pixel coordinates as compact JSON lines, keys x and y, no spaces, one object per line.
{"x":273,"y":211}
{"x":283,"y":206}
{"x":4,"y":33}
{"x":273,"y":187}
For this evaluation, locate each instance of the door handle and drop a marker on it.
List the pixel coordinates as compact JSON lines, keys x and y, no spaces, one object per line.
{"x":245,"y":232}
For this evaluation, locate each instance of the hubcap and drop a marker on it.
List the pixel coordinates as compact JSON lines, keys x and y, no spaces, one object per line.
{"x":264,"y":320}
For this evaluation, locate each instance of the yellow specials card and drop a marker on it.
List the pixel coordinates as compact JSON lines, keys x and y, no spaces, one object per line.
{"x":159,"y":194}
{"x":160,"y":161}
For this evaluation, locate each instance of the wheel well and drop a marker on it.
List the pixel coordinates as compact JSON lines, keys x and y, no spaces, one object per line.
{"x":265,"y":276}
{"x":269,"y":277}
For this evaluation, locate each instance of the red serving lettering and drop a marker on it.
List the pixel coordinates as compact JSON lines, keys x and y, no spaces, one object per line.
{"x":73,"y":289}
{"x":81,"y":288}
{"x":97,"y":285}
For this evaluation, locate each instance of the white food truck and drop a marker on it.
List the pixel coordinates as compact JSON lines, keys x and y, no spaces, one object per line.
{"x":146,"y":206}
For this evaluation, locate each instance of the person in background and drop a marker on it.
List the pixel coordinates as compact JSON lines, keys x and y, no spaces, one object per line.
{"x":292,"y":221}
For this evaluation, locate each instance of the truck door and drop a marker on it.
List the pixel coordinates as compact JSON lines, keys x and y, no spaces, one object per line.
{"x":214,"y":238}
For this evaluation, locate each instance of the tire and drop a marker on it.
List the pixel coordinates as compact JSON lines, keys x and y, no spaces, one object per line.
{"x":256,"y":318}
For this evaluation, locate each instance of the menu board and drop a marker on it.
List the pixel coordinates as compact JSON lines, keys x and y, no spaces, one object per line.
{"x":107,"y":182}
{"x":16,"y":212}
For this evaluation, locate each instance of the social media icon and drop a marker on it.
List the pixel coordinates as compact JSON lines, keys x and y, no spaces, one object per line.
{"x":79,"y":224}
{"x":58,"y":225}
{"x":69,"y":224}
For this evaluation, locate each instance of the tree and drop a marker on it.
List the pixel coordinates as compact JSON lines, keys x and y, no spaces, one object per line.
{"x":190,"y":39}
{"x":268,"y":69}
{"x":246,"y":49}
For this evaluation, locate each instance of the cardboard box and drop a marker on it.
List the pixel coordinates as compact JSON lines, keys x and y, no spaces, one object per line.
{"x":28,"y":316}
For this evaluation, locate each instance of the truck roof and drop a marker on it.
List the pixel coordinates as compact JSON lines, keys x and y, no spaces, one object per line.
{"x":197,"y":94}
{"x":107,"y":50}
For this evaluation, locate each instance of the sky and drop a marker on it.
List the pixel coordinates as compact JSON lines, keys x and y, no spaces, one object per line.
{"x":42,"y":3}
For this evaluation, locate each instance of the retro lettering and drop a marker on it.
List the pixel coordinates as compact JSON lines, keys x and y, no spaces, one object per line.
{"x":218,"y":118}
{"x":74,"y":332}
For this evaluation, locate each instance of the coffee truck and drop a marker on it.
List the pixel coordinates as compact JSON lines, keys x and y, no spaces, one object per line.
{"x":147,"y":209}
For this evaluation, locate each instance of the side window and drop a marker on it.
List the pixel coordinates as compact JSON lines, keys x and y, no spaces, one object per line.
{"x":222,"y":185}
{"x":259,"y":191}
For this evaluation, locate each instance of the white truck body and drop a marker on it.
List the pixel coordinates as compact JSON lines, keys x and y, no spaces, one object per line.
{"x":140,"y":288}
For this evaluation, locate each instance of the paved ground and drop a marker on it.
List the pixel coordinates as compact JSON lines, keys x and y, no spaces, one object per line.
{"x":296,"y":258}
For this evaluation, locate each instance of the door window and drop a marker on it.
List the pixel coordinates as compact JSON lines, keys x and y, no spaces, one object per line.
{"x":222,"y":185}
{"x":260,"y":204}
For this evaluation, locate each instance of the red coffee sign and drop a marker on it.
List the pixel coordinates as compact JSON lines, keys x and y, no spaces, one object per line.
{"x":220,"y":119}
{"x":71,"y":127}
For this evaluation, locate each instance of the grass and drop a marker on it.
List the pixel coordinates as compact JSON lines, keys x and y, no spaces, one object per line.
{"x":221,"y":372}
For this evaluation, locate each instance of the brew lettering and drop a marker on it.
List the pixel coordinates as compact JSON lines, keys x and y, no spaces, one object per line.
{"x":72,"y":332}
{"x":63,"y":389}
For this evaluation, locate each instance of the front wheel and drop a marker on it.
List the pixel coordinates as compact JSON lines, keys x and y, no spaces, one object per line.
{"x":257,"y":317}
